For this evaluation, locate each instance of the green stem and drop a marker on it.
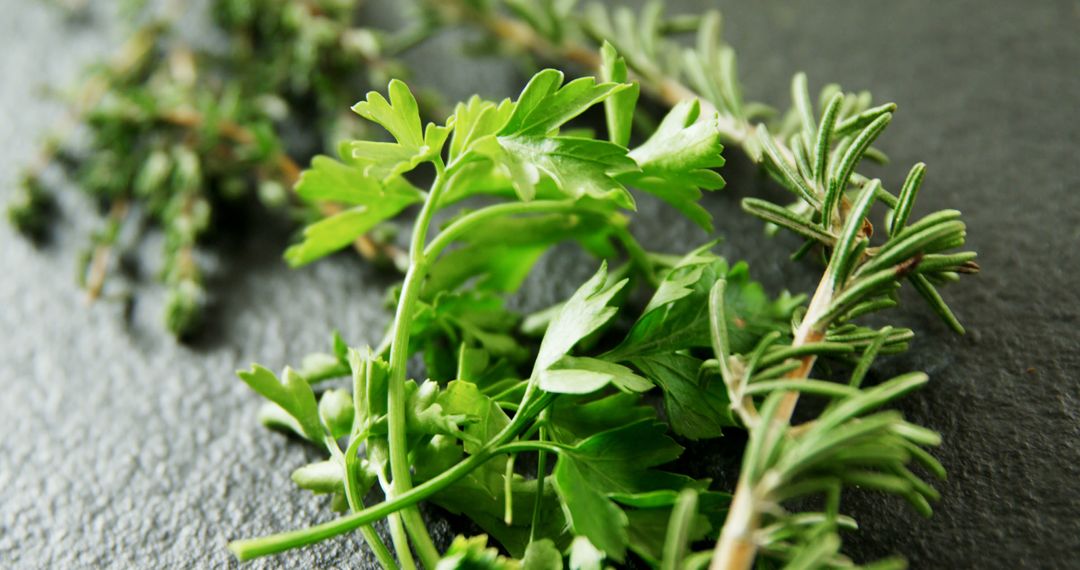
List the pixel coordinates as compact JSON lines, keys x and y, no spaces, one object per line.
{"x":398,"y":534}
{"x":508,"y":490}
{"x":522,"y":446}
{"x":399,"y":355}
{"x":256,"y":547}
{"x":356,"y":502}
{"x":467,"y":222}
{"x":638,"y":255}
{"x":404,"y":496}
{"x":541,"y":477}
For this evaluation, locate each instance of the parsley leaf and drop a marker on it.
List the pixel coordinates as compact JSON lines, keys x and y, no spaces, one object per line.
{"x":499,"y":255}
{"x":373,"y":200}
{"x":677,"y":316}
{"x":677,"y":159}
{"x":294,"y":396}
{"x":582,"y":375}
{"x":546,"y":104}
{"x":527,"y":151}
{"x":401,"y":117}
{"x":695,"y":409}
{"x":475,"y":120}
{"x":612,"y":462}
{"x":586,"y":311}
{"x":618,"y":108}
{"x":576,"y":167}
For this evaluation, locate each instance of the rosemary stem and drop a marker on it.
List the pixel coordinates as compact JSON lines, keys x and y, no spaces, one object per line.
{"x":736,"y":547}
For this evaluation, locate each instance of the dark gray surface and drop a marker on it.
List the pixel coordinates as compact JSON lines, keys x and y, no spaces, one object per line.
{"x":122,"y":449}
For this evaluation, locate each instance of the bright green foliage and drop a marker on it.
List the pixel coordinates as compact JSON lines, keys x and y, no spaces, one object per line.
{"x":615,"y":463}
{"x":723,"y":354}
{"x":294,"y":396}
{"x":677,"y":161}
{"x":487,"y":401}
{"x":401,"y":117}
{"x":585,"y":312}
{"x":373,"y":200}
{"x":474,"y":554}
{"x":618,"y":108}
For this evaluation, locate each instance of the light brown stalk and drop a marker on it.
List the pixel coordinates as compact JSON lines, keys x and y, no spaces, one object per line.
{"x":99,"y":261}
{"x":736,"y":548}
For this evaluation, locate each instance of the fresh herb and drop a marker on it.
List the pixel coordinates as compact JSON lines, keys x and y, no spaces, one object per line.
{"x":719,"y":351}
{"x":457,"y":436}
{"x":172,"y":131}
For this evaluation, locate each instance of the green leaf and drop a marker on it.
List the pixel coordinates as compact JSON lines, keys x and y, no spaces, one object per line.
{"x":425,"y":414}
{"x":320,"y":477}
{"x":586,"y":311}
{"x":585,"y":556}
{"x":677,"y":317}
{"x":499,"y":255}
{"x":401,"y":117}
{"x":649,"y":527}
{"x":572,"y":420}
{"x":695,"y":409}
{"x":588,"y":511}
{"x":332,"y":181}
{"x":677,"y":159}
{"x":440,"y":326}
{"x":474,"y":554}
{"x":336,"y":411}
{"x":370,"y":375}
{"x":576,"y":167}
{"x":613,"y":462}
{"x":582,"y":375}
{"x":480,"y":496}
{"x":486,"y":418}
{"x":475,"y":120}
{"x":526,"y":151}
{"x":546,"y":104}
{"x":331,"y":234}
{"x":294,"y":396}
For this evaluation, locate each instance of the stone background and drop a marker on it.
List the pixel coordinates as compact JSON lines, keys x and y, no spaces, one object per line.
{"x":122,"y":448}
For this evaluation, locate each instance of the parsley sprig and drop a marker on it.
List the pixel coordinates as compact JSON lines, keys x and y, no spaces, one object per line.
{"x":547,"y":188}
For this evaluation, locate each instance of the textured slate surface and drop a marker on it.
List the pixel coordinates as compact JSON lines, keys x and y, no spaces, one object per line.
{"x":121,"y":448}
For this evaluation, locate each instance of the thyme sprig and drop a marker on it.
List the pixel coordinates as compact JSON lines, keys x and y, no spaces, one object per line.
{"x":173,"y":131}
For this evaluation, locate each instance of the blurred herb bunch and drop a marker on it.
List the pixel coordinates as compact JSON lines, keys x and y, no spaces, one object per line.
{"x":166,"y":131}
{"x":568,"y":387}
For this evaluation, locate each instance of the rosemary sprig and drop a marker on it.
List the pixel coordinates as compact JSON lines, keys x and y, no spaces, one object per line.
{"x":842,"y":446}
